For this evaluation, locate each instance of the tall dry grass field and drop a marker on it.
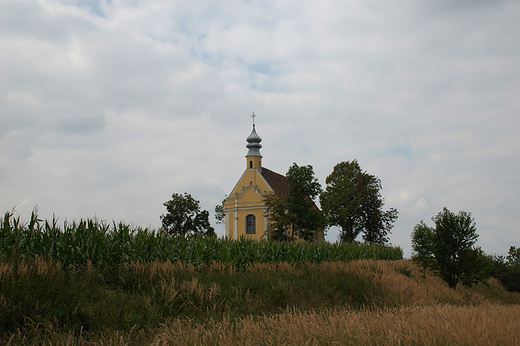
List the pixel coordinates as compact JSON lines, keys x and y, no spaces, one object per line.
{"x":432,"y":325}
{"x":365,"y":302}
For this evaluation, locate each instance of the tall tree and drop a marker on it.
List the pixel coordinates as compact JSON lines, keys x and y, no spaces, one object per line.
{"x":220,"y":215}
{"x":280,"y":220}
{"x":448,"y":248}
{"x":352,"y":201}
{"x":513,"y":256}
{"x":184,"y":216}
{"x":422,"y":244}
{"x":295,"y":215}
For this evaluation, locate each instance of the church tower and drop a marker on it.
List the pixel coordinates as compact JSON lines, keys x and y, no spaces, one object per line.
{"x":253,"y":157}
{"x":244,"y":208}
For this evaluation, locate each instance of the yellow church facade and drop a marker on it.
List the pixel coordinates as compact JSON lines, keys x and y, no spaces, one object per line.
{"x":245,"y":212}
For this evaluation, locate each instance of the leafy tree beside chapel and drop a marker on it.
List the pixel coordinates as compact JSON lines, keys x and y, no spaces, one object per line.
{"x":184,"y":217}
{"x":295,"y":216}
{"x":352,"y":201}
{"x":220,"y":215}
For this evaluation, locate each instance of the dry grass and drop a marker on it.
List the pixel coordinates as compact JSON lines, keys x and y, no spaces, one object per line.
{"x":404,"y":283}
{"x":37,"y":265}
{"x":412,"y":289}
{"x":416,"y":308}
{"x":434,"y":325}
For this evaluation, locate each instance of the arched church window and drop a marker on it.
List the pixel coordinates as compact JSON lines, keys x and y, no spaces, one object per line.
{"x":250,"y":224}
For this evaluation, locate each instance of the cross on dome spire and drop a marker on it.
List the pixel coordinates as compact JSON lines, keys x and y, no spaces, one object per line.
{"x":253,"y":141}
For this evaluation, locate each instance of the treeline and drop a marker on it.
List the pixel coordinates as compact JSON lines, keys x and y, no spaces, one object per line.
{"x":114,"y":244}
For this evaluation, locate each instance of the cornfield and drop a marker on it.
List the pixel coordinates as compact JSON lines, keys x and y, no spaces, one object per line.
{"x":105,"y":244}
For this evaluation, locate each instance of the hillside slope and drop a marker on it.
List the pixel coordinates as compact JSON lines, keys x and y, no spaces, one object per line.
{"x":174,"y":303}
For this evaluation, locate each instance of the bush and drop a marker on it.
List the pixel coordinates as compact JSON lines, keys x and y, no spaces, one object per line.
{"x":507,"y":270}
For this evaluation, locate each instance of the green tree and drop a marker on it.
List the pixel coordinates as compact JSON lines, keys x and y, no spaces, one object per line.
{"x":353,"y":202}
{"x":295,"y":215}
{"x":448,"y":248}
{"x":513,"y":256}
{"x":507,"y":269}
{"x":422,"y":244}
{"x":184,"y":216}
{"x":220,"y":216}
{"x":280,"y":220}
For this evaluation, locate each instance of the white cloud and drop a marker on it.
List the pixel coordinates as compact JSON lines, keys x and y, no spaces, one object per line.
{"x":109,"y":107}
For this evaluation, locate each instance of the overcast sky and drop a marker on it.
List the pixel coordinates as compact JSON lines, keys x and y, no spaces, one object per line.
{"x":107,"y":108}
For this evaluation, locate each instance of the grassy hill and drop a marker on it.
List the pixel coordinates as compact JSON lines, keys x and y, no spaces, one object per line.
{"x":360,"y":302}
{"x":91,"y":282}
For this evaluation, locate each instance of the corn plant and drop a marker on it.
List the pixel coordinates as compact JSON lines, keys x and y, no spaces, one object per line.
{"x":114,"y":244}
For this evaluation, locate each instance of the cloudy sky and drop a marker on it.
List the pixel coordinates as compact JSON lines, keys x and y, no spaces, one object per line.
{"x":109,"y":107}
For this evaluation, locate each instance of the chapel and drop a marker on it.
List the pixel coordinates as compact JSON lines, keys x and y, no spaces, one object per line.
{"x":244,"y":208}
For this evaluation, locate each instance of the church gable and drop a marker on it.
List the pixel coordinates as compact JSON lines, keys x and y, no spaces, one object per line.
{"x":250,"y":193}
{"x":244,"y":208}
{"x":251,"y":180}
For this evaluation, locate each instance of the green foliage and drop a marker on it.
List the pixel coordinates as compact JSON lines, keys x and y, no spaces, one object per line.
{"x":422,"y":245}
{"x":507,"y":269}
{"x":448,"y":248}
{"x":509,"y":276}
{"x":184,"y":216}
{"x":280,"y":220}
{"x":144,"y":296}
{"x":513,"y":256}
{"x":82,"y":276}
{"x":352,"y":201}
{"x":303,"y":189}
{"x":39,"y":297}
{"x":302,"y":183}
{"x":115,"y":245}
{"x":220,"y":216}
{"x":295,"y":215}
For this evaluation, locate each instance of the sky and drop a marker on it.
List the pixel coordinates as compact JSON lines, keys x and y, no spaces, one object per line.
{"x":107,"y":108}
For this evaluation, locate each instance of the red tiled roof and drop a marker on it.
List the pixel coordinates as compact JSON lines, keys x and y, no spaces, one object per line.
{"x":277,"y":181}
